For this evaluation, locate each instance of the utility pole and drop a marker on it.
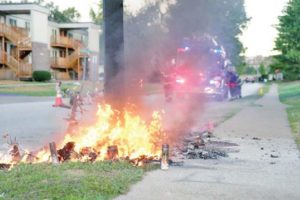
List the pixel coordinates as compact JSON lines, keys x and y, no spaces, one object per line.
{"x":114,"y":83}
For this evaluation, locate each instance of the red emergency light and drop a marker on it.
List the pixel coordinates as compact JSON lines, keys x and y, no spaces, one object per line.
{"x":181,"y":50}
{"x":180,"y":80}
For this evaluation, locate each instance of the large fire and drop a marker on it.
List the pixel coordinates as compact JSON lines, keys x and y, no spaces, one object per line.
{"x":132,"y":136}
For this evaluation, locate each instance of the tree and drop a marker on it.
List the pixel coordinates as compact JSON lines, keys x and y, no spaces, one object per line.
{"x":146,"y":43}
{"x":250,"y":70}
{"x":71,"y":14}
{"x":97,"y":15}
{"x":64,"y":16}
{"x":288,"y":42}
{"x":262,"y":69}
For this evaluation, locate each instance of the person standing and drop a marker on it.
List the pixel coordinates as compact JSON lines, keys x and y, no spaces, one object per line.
{"x":77,"y":104}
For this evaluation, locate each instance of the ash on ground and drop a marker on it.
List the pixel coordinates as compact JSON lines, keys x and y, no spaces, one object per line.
{"x":203,"y":145}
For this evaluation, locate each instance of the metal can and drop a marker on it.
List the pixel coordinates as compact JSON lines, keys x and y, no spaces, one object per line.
{"x":165,"y":157}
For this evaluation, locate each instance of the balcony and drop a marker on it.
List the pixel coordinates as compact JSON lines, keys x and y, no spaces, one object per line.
{"x":66,"y":62}
{"x":65,"y":42}
{"x":59,"y":62}
{"x":21,"y":69}
{"x":18,"y":36}
{"x":25,"y":45}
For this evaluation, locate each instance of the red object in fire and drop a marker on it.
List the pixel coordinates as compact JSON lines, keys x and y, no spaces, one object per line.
{"x":181,"y":50}
{"x":232,"y":85}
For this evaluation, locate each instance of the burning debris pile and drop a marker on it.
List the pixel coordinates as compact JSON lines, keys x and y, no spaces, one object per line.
{"x":114,"y":136}
{"x":4,"y":166}
{"x":14,"y":153}
{"x":119,"y":136}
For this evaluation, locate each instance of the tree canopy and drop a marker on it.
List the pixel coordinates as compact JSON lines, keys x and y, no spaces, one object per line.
{"x":65,"y":16}
{"x":262,"y":69}
{"x":288,"y":42}
{"x":97,"y":14}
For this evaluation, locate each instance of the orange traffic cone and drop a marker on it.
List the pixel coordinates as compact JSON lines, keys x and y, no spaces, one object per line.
{"x":58,"y":101}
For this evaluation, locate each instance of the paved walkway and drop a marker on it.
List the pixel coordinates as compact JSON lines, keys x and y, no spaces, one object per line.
{"x":249,"y":174}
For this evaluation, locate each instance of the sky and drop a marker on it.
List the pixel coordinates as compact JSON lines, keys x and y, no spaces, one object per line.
{"x":258,"y":38}
{"x":84,"y":6}
{"x":260,"y":35}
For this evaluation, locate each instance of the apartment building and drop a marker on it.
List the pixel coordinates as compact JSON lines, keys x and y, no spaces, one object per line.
{"x":30,"y":42}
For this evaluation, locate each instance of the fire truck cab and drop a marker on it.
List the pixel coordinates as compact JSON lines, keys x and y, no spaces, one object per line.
{"x":200,"y":68}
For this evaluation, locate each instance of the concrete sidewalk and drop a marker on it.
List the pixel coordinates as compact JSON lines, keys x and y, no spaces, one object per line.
{"x":262,"y":132}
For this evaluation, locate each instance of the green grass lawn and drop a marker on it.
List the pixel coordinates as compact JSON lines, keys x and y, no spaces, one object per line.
{"x":289,"y":93}
{"x":32,"y":89}
{"x":41,"y":89}
{"x":36,"y":89}
{"x":47,"y":90}
{"x":68,"y":181}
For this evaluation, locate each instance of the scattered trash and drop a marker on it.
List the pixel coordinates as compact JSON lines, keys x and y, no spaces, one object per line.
{"x":274,"y":156}
{"x":205,"y":154}
{"x":67,"y":152}
{"x":4,"y":166}
{"x":256,"y":138}
{"x":112,"y":152}
{"x":201,"y":146}
{"x":176,"y":163}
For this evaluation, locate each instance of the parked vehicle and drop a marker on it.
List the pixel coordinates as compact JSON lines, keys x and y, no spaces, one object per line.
{"x":200,"y":69}
{"x":250,"y":79}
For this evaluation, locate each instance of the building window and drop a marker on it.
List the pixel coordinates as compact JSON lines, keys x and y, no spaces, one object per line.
{"x":55,"y":54}
{"x":13,"y":22}
{"x":54,"y":32}
{"x":83,"y":38}
{"x":70,"y":35}
{"x":54,"y":35}
{"x":27,"y":26}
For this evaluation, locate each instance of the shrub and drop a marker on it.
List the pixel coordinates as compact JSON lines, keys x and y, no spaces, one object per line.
{"x":290,"y":76}
{"x":41,"y":76}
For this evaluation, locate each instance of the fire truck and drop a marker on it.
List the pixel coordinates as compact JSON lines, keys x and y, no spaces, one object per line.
{"x":200,"y":68}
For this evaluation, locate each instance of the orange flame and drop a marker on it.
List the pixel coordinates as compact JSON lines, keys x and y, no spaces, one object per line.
{"x":132,"y":135}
